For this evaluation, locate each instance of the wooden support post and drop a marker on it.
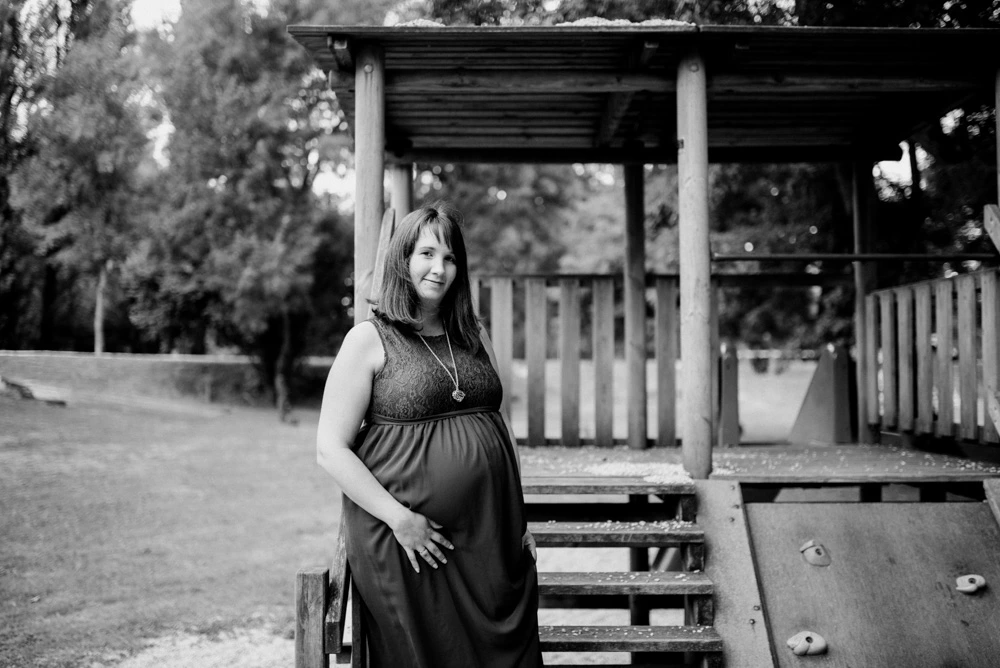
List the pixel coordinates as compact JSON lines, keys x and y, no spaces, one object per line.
{"x":401,"y":195}
{"x":311,"y":600}
{"x":638,"y":562}
{"x":862,"y":175}
{"x":695,"y":266}
{"x":996,"y":109}
{"x":729,"y":393}
{"x":635,"y":306}
{"x":369,"y":168}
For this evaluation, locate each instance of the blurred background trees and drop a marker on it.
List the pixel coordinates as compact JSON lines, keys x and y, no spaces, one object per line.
{"x":186,"y":187}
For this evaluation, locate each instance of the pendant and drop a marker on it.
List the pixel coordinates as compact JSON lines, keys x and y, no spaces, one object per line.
{"x":458,"y":395}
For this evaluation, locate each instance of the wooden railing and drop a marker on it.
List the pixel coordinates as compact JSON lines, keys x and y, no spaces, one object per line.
{"x":933,"y":358}
{"x":578,"y":320}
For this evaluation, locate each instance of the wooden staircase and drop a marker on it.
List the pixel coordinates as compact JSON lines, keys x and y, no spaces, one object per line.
{"x":647,"y":516}
{"x":658,"y":516}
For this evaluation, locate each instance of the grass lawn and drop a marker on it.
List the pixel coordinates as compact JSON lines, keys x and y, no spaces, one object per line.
{"x":119,"y":526}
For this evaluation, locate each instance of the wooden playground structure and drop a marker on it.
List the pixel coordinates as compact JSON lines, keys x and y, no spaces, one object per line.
{"x":855,"y":547}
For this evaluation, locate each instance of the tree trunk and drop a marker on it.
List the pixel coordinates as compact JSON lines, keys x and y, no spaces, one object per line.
{"x":102,"y":286}
{"x":281,"y":394}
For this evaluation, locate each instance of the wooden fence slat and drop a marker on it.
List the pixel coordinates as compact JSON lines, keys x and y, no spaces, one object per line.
{"x":569,"y":355}
{"x":904,"y":348}
{"x":604,"y":358}
{"x":474,"y":285}
{"x":943,"y":372}
{"x":991,"y":349}
{"x":502,"y":327}
{"x":535,"y":342}
{"x":666,"y":338}
{"x":925,"y":360}
{"x":716,"y":359}
{"x":968,"y":382}
{"x":871,"y":353}
{"x":890,"y":402}
{"x":311,"y":596}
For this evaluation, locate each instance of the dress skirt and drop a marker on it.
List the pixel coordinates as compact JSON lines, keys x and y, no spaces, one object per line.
{"x":479,"y":609}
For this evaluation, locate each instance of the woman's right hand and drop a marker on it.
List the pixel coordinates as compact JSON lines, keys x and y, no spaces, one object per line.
{"x":418,"y":535}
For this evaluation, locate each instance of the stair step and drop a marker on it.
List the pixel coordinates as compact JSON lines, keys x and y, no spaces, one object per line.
{"x":603,"y":485}
{"x":634,"y":582}
{"x":629,"y":639}
{"x":590,"y":512}
{"x":663,"y":533}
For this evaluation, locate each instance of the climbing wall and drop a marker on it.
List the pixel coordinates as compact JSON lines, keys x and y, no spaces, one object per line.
{"x":888,"y":595}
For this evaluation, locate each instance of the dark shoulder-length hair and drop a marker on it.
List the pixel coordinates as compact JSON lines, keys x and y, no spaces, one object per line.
{"x":399,"y":301}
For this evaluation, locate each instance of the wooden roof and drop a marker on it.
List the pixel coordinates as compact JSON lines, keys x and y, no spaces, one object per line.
{"x":607,"y":93}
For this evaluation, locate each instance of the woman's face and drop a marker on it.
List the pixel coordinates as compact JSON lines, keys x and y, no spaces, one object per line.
{"x":432,"y":268}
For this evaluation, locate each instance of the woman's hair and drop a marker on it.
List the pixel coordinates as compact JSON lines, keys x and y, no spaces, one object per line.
{"x":399,"y":301}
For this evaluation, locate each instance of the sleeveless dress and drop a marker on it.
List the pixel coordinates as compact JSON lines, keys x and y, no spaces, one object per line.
{"x":454,"y":463}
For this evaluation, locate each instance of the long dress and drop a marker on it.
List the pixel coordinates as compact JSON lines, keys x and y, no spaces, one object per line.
{"x":454,"y":463}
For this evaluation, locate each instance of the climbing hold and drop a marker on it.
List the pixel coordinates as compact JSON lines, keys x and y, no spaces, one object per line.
{"x":815,"y":554}
{"x":970,"y":584}
{"x":807,"y":643}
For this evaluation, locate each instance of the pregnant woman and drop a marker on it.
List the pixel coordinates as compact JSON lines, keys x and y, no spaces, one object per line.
{"x":414,"y":430}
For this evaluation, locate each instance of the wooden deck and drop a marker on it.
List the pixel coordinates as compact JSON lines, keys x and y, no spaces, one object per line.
{"x":631,"y":470}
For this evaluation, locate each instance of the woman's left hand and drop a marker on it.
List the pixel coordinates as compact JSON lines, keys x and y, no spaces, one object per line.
{"x":528,"y":541}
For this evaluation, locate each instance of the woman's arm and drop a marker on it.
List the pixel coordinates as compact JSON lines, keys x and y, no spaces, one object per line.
{"x":345,"y":402}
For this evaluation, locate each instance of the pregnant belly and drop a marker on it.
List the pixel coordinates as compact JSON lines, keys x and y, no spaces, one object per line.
{"x":448,"y":469}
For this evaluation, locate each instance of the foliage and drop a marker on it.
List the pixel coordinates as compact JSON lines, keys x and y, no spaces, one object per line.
{"x":75,"y":188}
{"x":232,"y":255}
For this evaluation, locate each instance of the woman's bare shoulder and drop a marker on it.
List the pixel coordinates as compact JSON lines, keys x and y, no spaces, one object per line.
{"x":363,"y":342}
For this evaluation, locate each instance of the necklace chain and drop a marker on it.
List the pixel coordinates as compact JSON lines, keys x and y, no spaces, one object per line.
{"x":458,"y":394}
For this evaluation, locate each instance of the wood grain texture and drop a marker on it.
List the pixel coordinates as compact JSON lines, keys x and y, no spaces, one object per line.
{"x":695,"y":283}
{"x":890,"y":387}
{"x":621,"y":534}
{"x":944,"y":324}
{"x":611,"y":583}
{"x":738,"y":605}
{"x":666,"y":336}
{"x":502,"y":327}
{"x":635,"y":306}
{"x":990,"y":300}
{"x":573,"y":484}
{"x":340,"y":584}
{"x":905,"y":349}
{"x":992,"y":488}
{"x":310,"y":612}
{"x":536,"y":323}
{"x":924,"y":423}
{"x":729,"y":405}
{"x":629,"y":639}
{"x":369,"y":168}
{"x":888,"y":598}
{"x":968,"y":357}
{"x":569,"y":359}
{"x":604,"y":358}
{"x":871,"y":360}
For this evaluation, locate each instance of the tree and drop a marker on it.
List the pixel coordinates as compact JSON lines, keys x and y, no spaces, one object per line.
{"x":34,"y":38}
{"x":235,"y":244}
{"x":75,"y":188}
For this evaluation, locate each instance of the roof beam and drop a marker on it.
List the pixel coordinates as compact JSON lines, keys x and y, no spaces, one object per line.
{"x":341,"y":50}
{"x":659,"y":155}
{"x":618,"y":103}
{"x":597,"y":82}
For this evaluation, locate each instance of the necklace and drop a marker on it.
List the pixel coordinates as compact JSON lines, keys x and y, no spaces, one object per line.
{"x":458,"y":394}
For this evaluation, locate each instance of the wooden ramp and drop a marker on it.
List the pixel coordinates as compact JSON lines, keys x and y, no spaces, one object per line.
{"x":888,"y":597}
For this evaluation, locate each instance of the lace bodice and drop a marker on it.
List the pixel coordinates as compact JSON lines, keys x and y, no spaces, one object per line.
{"x":413,"y":385}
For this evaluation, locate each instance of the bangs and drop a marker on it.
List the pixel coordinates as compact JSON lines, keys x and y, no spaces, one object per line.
{"x":440,"y":231}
